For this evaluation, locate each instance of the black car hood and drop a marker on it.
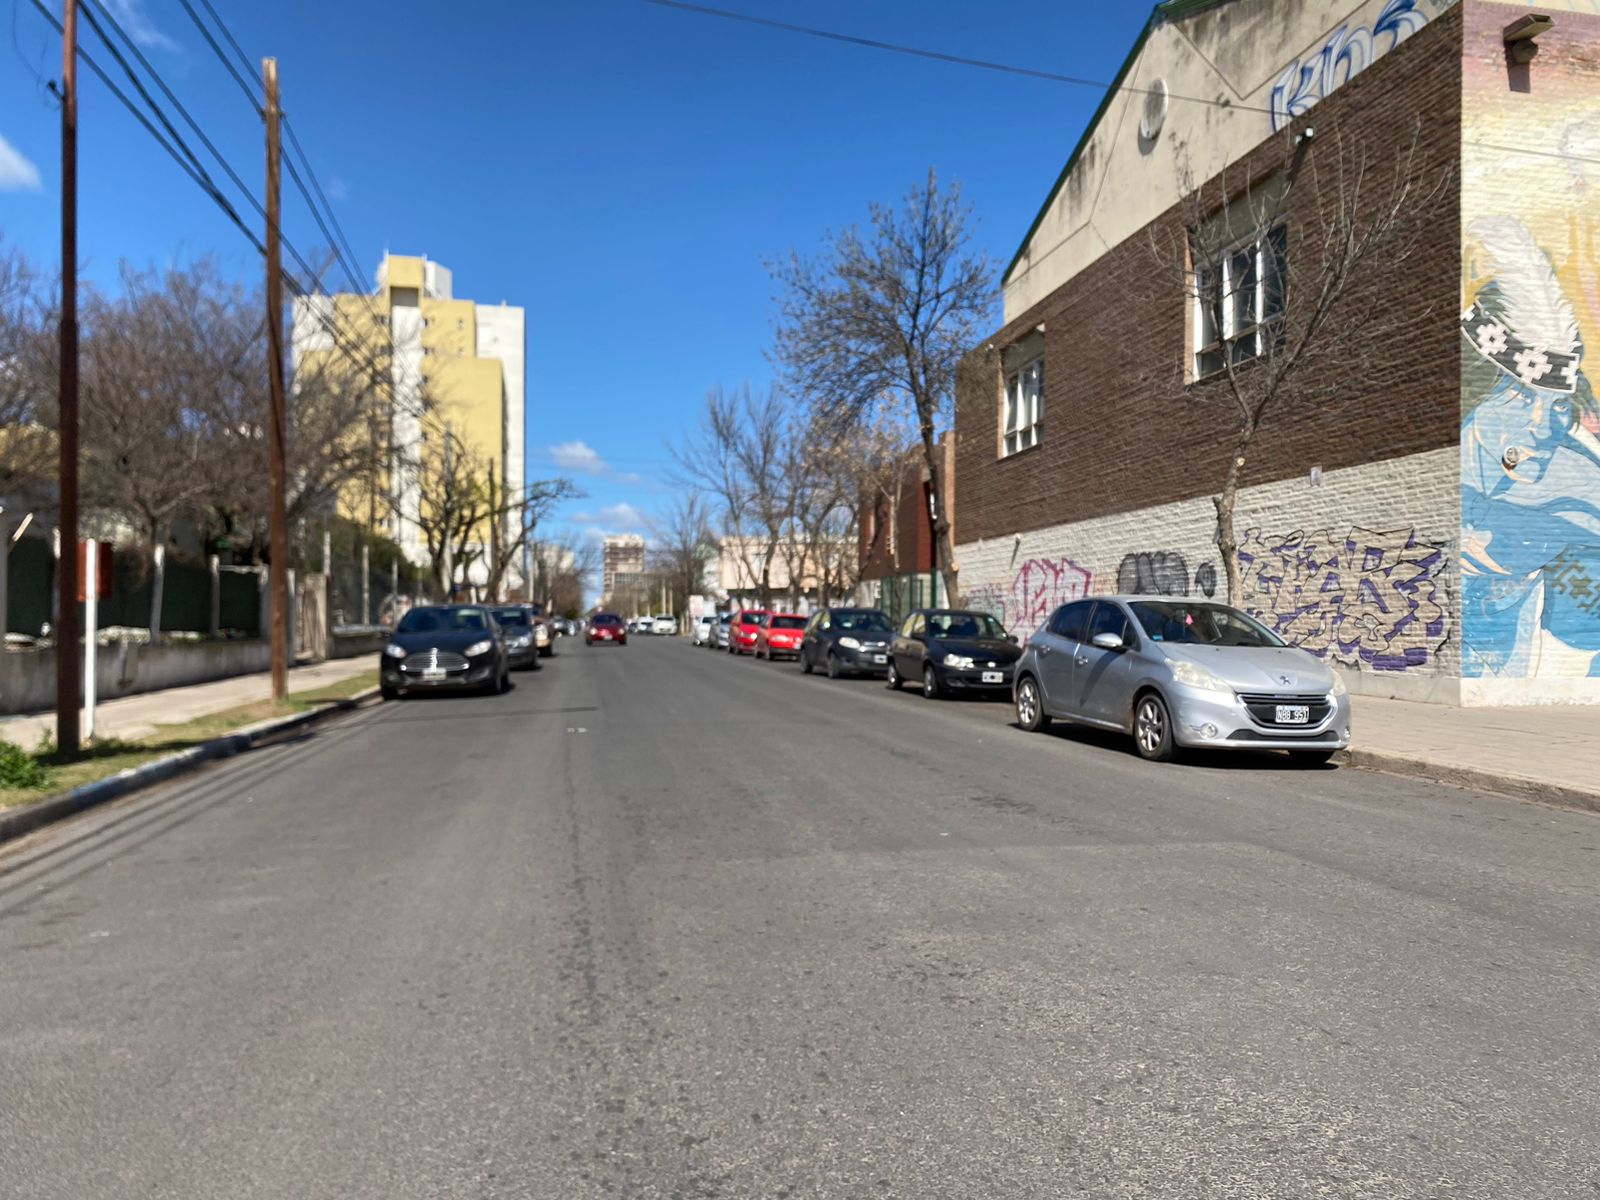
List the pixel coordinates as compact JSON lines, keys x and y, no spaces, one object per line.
{"x":456,"y":641}
{"x":979,"y":649}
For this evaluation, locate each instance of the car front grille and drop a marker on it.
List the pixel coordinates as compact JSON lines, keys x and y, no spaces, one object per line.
{"x":428,"y":660}
{"x":1263,"y":707}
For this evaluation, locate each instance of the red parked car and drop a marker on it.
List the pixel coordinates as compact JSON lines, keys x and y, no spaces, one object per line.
{"x":606,"y":627}
{"x":744,"y":627}
{"x":781,"y":635}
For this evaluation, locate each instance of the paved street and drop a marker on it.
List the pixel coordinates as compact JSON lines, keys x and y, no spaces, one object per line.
{"x":660,"y":923}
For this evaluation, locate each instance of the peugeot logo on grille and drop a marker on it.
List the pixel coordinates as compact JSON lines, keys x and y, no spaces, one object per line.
{"x":1286,"y":680}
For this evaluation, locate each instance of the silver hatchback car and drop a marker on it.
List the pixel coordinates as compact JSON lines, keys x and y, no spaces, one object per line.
{"x":1180,"y":673}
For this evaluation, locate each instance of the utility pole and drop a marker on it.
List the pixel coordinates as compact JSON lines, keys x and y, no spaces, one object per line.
{"x":496,"y":525}
{"x":67,"y":434}
{"x":277,"y":531}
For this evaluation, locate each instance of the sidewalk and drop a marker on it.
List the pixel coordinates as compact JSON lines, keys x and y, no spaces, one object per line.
{"x":136,"y":716}
{"x":1551,"y":752}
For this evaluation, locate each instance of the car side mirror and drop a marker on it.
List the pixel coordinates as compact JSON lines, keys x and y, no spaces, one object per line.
{"x":1012,"y":638}
{"x":1106,"y":641}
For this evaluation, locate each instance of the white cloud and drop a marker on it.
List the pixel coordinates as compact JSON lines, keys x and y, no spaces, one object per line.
{"x":17,"y":174}
{"x":131,"y":16}
{"x":577,"y":456}
{"x":338,"y":189}
{"x":613,"y":518}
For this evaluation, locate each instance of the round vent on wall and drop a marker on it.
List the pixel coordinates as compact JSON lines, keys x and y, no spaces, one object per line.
{"x":1155,"y":110}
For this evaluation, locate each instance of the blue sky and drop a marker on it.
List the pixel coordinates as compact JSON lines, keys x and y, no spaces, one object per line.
{"x":621,"y":170}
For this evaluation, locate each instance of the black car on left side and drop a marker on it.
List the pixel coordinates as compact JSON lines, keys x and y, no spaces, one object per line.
{"x":949,"y":651}
{"x":521,"y":627}
{"x":444,"y":646}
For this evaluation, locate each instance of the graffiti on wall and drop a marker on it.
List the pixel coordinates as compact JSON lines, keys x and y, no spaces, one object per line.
{"x":1039,"y":587}
{"x":1348,"y":51}
{"x":1362,"y":599}
{"x":1163,"y":573}
{"x":1530,"y":424}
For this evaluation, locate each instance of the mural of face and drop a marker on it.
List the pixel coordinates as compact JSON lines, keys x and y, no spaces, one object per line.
{"x":1515,"y":430}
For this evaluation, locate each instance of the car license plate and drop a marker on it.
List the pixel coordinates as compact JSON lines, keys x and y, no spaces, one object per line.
{"x":1293,"y":714}
{"x":433,"y":672}
{"x":994,"y":676}
{"x":880,"y":658}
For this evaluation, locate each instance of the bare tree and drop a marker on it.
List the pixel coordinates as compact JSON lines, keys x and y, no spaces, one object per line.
{"x":1279,"y":263}
{"x":514,"y":517}
{"x":883,"y":318}
{"x":27,"y":372}
{"x":681,"y":538}
{"x":735,"y":457}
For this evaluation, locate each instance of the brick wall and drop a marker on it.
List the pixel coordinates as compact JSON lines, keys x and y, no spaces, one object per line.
{"x":1122,"y":429}
{"x":912,"y":547}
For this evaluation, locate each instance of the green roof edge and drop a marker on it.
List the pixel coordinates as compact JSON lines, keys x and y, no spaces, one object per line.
{"x":1165,"y":10}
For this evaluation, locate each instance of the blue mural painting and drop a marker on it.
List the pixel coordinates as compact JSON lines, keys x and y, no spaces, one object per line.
{"x":1530,"y":468}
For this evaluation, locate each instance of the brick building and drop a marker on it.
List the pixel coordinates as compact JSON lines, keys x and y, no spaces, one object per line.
{"x":1433,"y":528}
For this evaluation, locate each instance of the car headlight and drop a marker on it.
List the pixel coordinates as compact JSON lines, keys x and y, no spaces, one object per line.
{"x":1338,"y":689}
{"x":541,"y":633}
{"x":1192,"y":675}
{"x":394,"y":651}
{"x":520,"y":641}
{"x":850,"y":643}
{"x":958,"y":662}
{"x":478,"y":648}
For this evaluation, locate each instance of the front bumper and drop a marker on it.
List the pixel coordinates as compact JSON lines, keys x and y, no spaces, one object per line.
{"x":792,"y":649}
{"x":522,"y":656}
{"x":1221,"y":721}
{"x":972,"y":680}
{"x":864,"y":661}
{"x":475,"y":674}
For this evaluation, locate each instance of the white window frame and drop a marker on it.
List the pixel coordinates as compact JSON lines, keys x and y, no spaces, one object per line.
{"x":1240,"y":341}
{"x":1022,"y":416}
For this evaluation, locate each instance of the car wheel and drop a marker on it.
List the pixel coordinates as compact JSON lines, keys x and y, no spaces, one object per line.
{"x":1152,"y":729}
{"x":833,"y":665}
{"x":893,"y":677}
{"x":389,"y":693}
{"x":505,"y":682}
{"x":930,"y":683}
{"x":1310,"y":758}
{"x":805,"y":662}
{"x":1030,"y":708}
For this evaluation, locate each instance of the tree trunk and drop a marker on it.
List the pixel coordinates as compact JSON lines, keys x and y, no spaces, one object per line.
{"x":944,"y":551}
{"x":158,"y":581}
{"x":1227,"y":539}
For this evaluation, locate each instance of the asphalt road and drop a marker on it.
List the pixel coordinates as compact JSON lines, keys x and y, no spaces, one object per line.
{"x":660,"y":923}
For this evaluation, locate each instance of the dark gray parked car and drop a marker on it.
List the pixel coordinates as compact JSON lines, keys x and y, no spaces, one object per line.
{"x":952,"y":650}
{"x":444,"y":646}
{"x":853,"y":641}
{"x":1175,"y":673}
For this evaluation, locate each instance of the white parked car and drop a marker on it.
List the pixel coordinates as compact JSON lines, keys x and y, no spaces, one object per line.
{"x":665,"y":624}
{"x":704,"y":630}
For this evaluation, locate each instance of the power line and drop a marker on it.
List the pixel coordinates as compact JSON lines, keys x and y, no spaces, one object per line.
{"x":936,"y":55}
{"x":241,"y":80}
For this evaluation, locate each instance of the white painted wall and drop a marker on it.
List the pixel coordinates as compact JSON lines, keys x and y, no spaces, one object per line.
{"x":1344,"y":590}
{"x":502,"y":334}
{"x":1268,"y":59}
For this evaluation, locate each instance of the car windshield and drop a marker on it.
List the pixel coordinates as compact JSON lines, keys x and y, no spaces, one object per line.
{"x":511,"y":616}
{"x":788,"y":622}
{"x":607,"y":619}
{"x":1201,"y":624}
{"x":753,"y":619}
{"x":867,"y":621}
{"x":444,"y":620}
{"x":964,"y":625}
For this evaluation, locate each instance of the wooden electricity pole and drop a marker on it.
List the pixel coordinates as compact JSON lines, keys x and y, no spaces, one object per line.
{"x":277,"y":531}
{"x":67,"y":435}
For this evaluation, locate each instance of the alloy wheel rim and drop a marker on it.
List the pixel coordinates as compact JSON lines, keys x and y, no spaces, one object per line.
{"x":1150,"y":726}
{"x":927,"y":681}
{"x":1026,"y":706}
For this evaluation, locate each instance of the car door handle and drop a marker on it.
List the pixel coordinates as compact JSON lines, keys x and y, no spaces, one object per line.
{"x":1082,"y":660}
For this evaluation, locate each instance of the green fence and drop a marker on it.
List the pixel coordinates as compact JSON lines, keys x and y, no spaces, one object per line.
{"x":30,"y":578}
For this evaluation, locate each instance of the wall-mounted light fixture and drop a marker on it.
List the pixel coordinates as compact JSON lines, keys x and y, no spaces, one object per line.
{"x":1520,"y":35}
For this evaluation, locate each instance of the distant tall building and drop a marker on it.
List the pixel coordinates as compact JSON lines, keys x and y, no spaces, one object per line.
{"x":620,"y":555}
{"x":452,"y":362}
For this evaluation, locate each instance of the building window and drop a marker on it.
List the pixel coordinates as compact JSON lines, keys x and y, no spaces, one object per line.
{"x":1238,"y":302}
{"x":1024,"y":407}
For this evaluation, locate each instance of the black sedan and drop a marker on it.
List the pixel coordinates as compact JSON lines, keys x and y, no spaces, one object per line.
{"x":950,"y":651}
{"x":519,"y":630}
{"x":853,"y":641}
{"x":444,"y":646}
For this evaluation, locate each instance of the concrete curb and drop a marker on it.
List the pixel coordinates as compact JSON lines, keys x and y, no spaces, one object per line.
{"x":1516,"y":786}
{"x":25,"y":820}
